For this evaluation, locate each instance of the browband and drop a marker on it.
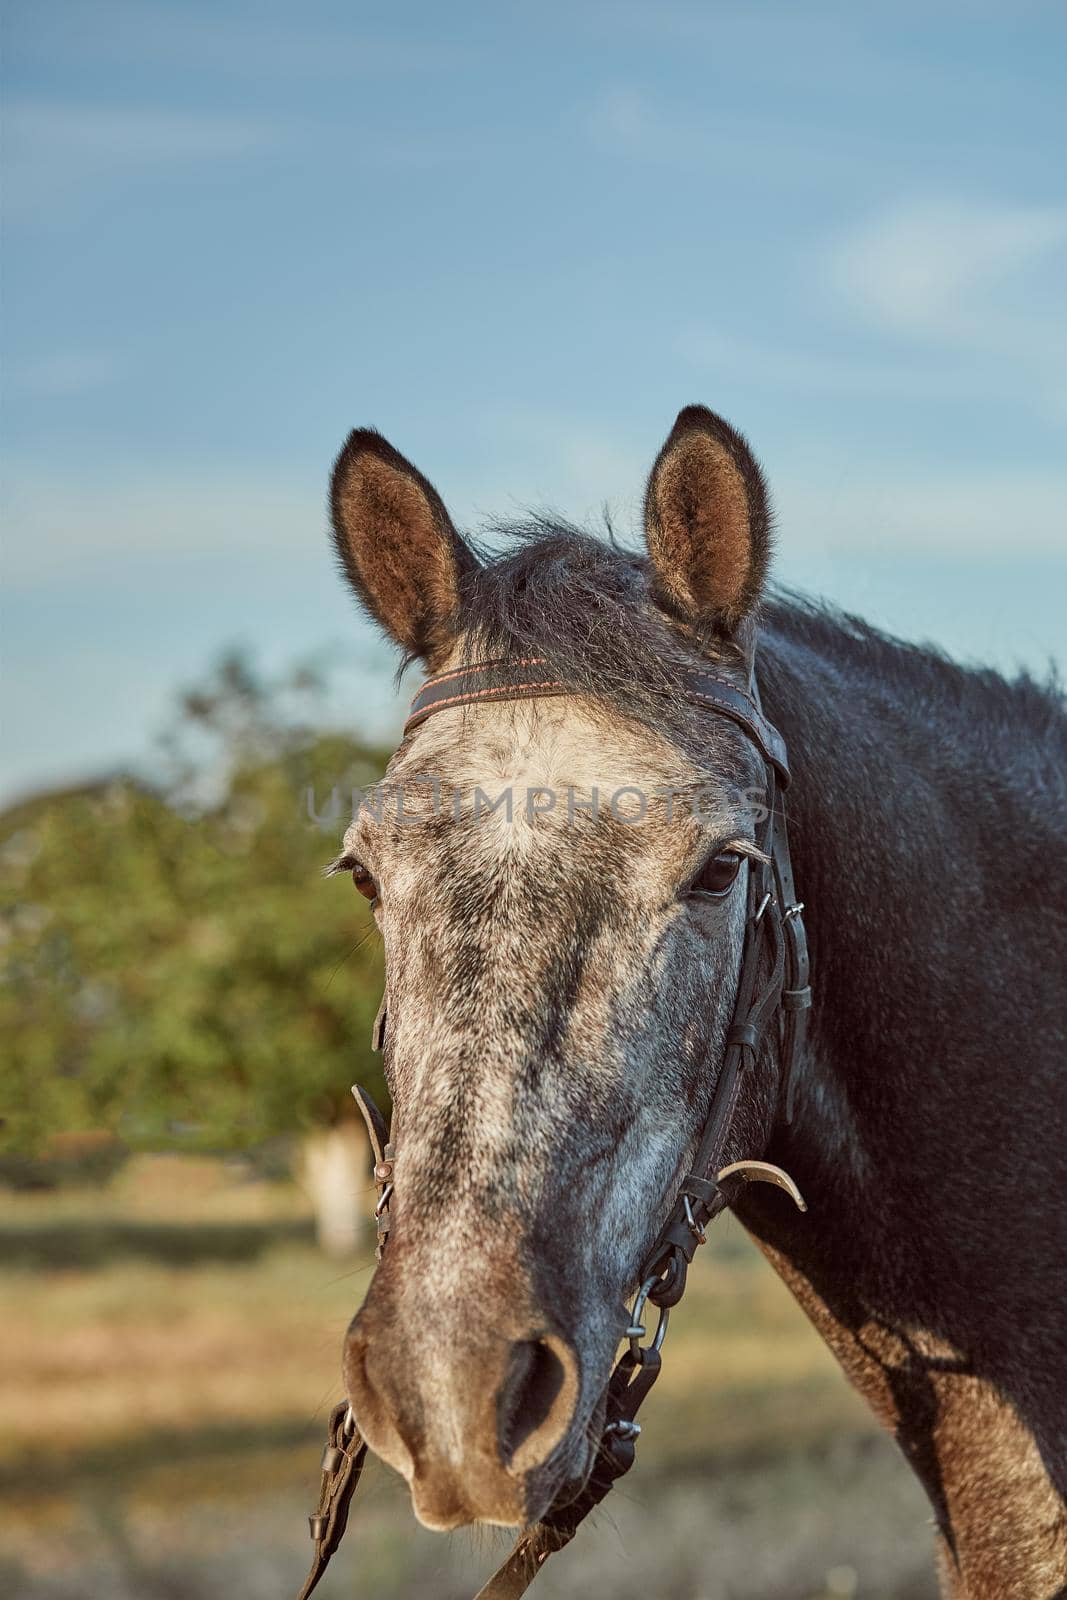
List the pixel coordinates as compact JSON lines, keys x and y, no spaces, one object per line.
{"x":532,"y":679}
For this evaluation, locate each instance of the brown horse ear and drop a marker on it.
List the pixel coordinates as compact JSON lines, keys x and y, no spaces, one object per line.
{"x":707,"y":523}
{"x":396,"y":542}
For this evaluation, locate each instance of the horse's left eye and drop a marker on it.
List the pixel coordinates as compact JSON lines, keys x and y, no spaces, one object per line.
{"x":365,"y":883}
{"x":718,"y":873}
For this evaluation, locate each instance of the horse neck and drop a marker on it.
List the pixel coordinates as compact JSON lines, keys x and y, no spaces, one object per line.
{"x":926,"y":820}
{"x":907,"y":821}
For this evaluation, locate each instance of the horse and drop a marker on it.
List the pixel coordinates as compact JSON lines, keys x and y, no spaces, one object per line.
{"x":561,"y":978}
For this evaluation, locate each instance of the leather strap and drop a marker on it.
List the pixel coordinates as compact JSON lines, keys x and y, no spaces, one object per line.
{"x":342,"y":1464}
{"x":515,"y":1575}
{"x":796,"y":990}
{"x":763,"y":970}
{"x":384,"y":1153}
{"x":707,"y":689}
{"x":532,"y":679}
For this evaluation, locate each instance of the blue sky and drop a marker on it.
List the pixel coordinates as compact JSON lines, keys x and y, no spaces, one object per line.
{"x":517,"y":239}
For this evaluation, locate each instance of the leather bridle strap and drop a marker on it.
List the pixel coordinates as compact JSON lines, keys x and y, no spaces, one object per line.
{"x":342,"y":1464}
{"x":770,"y":1013}
{"x":481,"y":682}
{"x":514,"y":1576}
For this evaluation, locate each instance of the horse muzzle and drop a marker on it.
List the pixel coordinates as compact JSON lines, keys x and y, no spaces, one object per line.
{"x":467,"y":1414}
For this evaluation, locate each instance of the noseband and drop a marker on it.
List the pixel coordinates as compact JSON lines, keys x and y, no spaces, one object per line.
{"x":770,"y":1014}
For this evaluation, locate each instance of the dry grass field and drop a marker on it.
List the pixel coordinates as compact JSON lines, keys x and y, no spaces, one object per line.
{"x":168,"y":1352}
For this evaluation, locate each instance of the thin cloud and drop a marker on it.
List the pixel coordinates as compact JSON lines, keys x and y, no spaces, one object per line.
{"x":730,"y":145}
{"x":55,"y":147}
{"x":73,"y":524}
{"x":242,"y":43}
{"x":772,"y":368}
{"x":978,"y":287}
{"x":67,"y":373}
{"x":984,"y":513}
{"x":937,"y":268}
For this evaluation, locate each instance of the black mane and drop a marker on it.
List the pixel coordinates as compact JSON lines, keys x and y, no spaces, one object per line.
{"x":583,"y":604}
{"x":923,"y":671}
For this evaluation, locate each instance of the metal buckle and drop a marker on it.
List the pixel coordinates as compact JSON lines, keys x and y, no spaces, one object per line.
{"x":624,"y":1429}
{"x":694,"y":1226}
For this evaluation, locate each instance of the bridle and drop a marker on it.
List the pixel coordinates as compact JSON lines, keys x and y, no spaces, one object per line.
{"x":770,"y":1012}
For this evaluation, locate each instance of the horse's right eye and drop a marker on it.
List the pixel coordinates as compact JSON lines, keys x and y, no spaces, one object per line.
{"x":365,"y":883}
{"x":718,"y":873}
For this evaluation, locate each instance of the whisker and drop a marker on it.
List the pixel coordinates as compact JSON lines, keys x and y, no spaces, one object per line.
{"x":356,"y":948}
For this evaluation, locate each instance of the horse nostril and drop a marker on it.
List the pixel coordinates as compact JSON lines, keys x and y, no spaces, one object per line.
{"x":532,"y":1385}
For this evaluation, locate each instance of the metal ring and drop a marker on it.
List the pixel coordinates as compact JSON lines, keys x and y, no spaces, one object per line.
{"x":384,"y":1200}
{"x":637,"y":1350}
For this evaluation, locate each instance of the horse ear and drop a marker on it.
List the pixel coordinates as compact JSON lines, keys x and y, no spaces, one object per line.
{"x":396,"y":542}
{"x":707,"y":523}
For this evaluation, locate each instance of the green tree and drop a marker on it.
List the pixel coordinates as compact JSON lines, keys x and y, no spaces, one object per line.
{"x":174,"y":968}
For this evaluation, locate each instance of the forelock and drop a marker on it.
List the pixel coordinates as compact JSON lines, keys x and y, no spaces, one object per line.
{"x":583,"y":605}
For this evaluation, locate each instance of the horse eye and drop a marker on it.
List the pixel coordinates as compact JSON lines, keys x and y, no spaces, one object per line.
{"x":365,"y":883}
{"x":718,"y":873}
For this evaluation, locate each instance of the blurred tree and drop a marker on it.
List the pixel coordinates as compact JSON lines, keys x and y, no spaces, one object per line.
{"x":173,"y":967}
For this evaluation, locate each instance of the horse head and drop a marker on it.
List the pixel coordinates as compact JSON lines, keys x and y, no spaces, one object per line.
{"x":560,"y":887}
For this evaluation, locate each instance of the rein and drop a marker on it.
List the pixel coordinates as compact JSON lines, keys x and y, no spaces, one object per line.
{"x":773,"y":999}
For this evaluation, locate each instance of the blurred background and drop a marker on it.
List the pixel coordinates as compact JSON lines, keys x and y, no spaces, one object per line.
{"x":517,"y":240}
